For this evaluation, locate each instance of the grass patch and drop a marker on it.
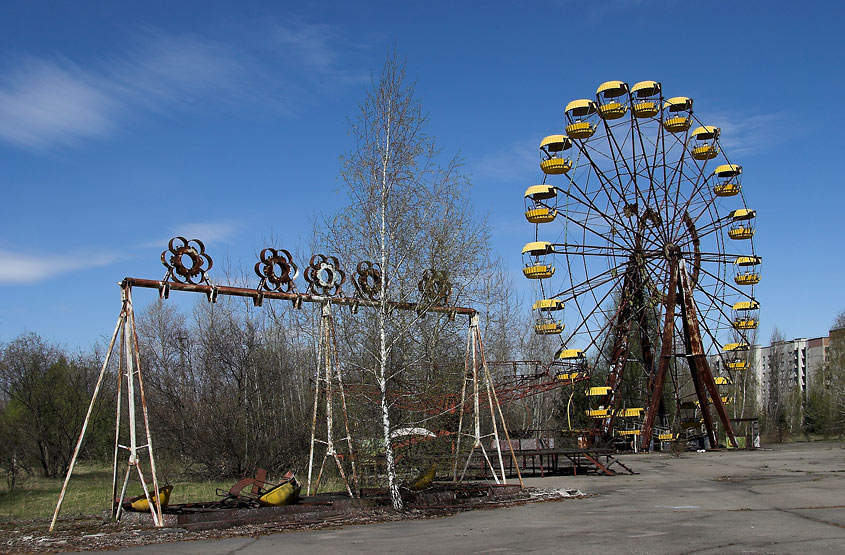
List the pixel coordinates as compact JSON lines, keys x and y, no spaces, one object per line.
{"x":89,"y":492}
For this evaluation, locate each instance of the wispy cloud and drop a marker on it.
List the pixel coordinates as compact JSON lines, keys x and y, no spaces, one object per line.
{"x":54,"y":102}
{"x":742,"y":134}
{"x":314,"y":46}
{"x":164,"y":70}
{"x":28,"y":268}
{"x":516,"y":162}
{"x":42,"y":103}
{"x":18,"y":267}
{"x":207,"y":232}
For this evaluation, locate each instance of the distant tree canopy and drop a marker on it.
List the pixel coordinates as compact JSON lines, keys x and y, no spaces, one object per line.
{"x":45,"y":393}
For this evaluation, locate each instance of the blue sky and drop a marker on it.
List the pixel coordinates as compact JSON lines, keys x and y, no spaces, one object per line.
{"x":125,"y":123}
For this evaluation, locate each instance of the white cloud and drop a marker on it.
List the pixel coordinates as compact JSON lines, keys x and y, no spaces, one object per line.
{"x":312,"y":46}
{"x":517,"y":162}
{"x":55,"y":102}
{"x":30,"y":268}
{"x":42,"y":103}
{"x":165,"y":70}
{"x":742,"y":134}
{"x":208,"y":232}
{"x":50,"y":102}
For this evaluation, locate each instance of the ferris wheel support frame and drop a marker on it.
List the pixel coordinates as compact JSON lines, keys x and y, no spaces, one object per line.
{"x":702,"y":377}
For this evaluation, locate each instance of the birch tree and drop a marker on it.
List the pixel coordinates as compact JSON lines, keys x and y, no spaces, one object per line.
{"x":407,"y":213}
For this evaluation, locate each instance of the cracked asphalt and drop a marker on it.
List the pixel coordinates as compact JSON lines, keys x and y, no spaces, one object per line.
{"x":790,"y":499}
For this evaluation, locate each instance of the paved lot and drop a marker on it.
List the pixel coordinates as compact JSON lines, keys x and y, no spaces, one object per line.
{"x":788,"y":500}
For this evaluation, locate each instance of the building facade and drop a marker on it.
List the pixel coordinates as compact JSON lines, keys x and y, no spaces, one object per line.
{"x":796,"y":362}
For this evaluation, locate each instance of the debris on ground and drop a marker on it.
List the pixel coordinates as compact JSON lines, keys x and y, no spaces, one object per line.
{"x":91,"y":533}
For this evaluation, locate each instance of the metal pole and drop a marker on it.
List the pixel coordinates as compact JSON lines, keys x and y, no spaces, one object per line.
{"x":339,"y":374}
{"x":144,"y":411}
{"x":461,"y":406}
{"x":130,"y":394}
{"x":507,"y":435}
{"x":85,"y":424}
{"x":330,"y":363}
{"x":114,"y":498}
{"x":489,"y":385}
{"x":698,"y":359}
{"x":314,"y":413}
{"x":476,"y":412}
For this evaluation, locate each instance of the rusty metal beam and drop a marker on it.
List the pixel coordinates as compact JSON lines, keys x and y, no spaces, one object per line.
{"x":212,"y":291}
{"x":619,"y":356}
{"x":659,"y":379}
{"x":698,"y":361}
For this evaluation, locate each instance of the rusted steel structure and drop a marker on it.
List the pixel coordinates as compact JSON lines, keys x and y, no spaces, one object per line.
{"x":187,"y":266}
{"x":656,"y":262}
{"x":130,"y":376}
{"x":477,"y":373}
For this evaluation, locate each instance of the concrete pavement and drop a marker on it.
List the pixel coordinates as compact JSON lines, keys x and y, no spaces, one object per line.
{"x":788,"y":500}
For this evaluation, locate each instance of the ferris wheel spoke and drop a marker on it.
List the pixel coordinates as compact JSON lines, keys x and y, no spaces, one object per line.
{"x":591,"y":208}
{"x":597,"y":305}
{"x":701,"y":232}
{"x":614,"y":148}
{"x":593,"y":335}
{"x":672,"y":172}
{"x":588,"y":250}
{"x":733,"y":288}
{"x":589,"y":283}
{"x":582,"y":223}
{"x":651,"y":196}
{"x":604,"y":184}
{"x":697,"y":187}
{"x":716,"y":224}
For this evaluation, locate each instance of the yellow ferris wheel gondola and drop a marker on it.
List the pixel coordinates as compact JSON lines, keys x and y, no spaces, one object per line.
{"x":552,"y":154}
{"x":545,"y":324}
{"x":611,"y":99}
{"x":747,"y":270}
{"x":746,"y":315}
{"x":704,"y":141}
{"x":677,"y":114}
{"x":581,"y":116}
{"x":736,"y":364}
{"x":547,"y":305}
{"x":536,"y":267}
{"x":569,"y":354}
{"x":742,"y":226}
{"x":571,"y":364}
{"x":537,"y":210}
{"x":646,"y":99}
{"x":727,"y":184}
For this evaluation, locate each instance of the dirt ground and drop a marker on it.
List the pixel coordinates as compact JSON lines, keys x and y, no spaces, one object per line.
{"x":790,"y":499}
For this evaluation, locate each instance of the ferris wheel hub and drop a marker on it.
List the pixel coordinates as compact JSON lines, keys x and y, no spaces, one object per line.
{"x":671,"y":250}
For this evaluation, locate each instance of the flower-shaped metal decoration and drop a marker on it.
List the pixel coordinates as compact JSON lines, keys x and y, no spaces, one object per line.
{"x":324,"y":275}
{"x":277,"y":271}
{"x":435,"y":288}
{"x":186,"y":261}
{"x":368,"y":280}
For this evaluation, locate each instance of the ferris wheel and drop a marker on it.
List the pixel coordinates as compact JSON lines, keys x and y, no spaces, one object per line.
{"x":644,"y":259}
